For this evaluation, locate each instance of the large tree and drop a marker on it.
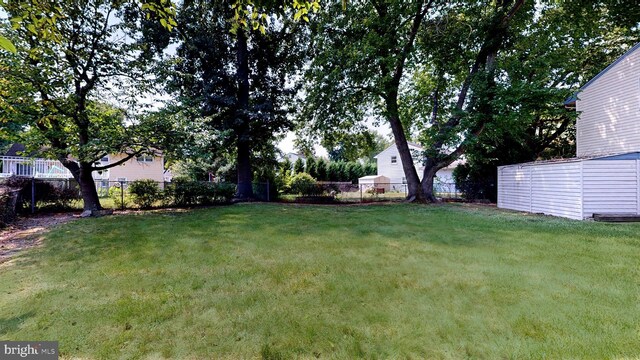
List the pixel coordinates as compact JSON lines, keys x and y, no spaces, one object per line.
{"x":71,"y":89}
{"x":237,"y":78}
{"x":370,"y":59}
{"x":560,"y":51}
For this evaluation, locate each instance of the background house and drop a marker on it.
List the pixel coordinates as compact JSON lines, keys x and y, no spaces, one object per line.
{"x":605,"y":175}
{"x":390,"y":165}
{"x":14,"y":163}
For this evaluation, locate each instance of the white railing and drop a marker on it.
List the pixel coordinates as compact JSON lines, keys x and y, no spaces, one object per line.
{"x":39,"y":168}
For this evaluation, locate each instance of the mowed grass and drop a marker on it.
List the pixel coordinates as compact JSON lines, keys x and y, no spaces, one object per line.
{"x":286,"y":281}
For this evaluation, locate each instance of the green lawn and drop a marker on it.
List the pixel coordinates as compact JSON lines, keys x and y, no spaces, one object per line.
{"x":287,"y":281}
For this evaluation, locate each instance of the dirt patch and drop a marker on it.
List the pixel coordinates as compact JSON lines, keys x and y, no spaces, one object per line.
{"x":27,"y":232}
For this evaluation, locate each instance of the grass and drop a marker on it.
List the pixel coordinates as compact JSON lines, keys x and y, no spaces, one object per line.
{"x":283,"y":281}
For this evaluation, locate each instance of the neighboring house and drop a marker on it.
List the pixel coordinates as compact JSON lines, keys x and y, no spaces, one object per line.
{"x":141,"y":167}
{"x":390,"y":165}
{"x":136,"y":168}
{"x":605,"y":175}
{"x":293,"y":157}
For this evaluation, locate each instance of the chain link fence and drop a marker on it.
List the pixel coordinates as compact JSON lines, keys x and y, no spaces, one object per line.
{"x":342,"y":192}
{"x":29,"y":195}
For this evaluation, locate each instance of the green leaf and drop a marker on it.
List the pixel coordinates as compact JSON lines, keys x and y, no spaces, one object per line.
{"x":6,"y":44}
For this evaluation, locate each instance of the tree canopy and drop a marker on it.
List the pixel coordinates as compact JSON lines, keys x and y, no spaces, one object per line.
{"x":74,"y":91}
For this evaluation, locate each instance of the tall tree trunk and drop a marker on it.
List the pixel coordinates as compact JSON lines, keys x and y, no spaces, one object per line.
{"x":243,"y":160}
{"x":430,"y":170}
{"x":88,"y":189}
{"x":245,"y":174}
{"x":414,"y":191}
{"x":81,"y":173}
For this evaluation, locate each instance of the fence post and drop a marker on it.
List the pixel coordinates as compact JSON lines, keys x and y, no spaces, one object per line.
{"x":268,"y":200}
{"x":360,"y":186}
{"x":33,"y":195}
{"x":122,"y":195}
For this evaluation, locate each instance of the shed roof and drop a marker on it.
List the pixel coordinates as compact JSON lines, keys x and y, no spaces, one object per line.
{"x":373,"y":177}
{"x":626,"y":156}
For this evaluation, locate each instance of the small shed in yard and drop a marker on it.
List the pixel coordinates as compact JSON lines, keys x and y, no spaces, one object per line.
{"x":573,"y":188}
{"x":375,"y":182}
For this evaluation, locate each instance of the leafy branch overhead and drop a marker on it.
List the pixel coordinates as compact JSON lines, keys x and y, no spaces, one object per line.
{"x":247,"y":14}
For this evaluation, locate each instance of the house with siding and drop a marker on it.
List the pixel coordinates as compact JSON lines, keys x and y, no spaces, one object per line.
{"x":16,"y":163}
{"x":604,"y":177}
{"x":390,"y":165}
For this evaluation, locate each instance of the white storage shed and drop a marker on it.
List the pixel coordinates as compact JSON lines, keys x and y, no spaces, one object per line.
{"x":375,"y":181}
{"x":573,"y":188}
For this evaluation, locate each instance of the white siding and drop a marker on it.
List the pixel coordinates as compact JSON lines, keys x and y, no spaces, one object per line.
{"x":609,"y":119}
{"x":575,"y":190}
{"x":552,"y":189}
{"x":395,"y":172}
{"x":555,"y":190}
{"x":514,"y":187}
{"x":610,"y":186}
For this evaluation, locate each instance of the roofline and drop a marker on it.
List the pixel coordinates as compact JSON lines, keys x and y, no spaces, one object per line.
{"x":394,"y":143}
{"x":572,"y":99}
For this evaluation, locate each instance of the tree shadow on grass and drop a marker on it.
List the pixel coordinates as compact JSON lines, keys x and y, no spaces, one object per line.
{"x":9,"y":325}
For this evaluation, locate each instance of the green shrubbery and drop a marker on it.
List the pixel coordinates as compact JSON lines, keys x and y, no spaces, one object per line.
{"x":185,"y":192}
{"x":180,"y":192}
{"x":303,"y":184}
{"x":144,"y":193}
{"x":57,"y":195}
{"x":119,"y":200}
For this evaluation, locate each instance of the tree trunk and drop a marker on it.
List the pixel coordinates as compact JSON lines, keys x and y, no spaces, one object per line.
{"x":414,"y":191}
{"x":243,"y":163}
{"x":430,"y":170}
{"x":243,"y":160}
{"x":82,"y":174}
{"x":88,"y":189}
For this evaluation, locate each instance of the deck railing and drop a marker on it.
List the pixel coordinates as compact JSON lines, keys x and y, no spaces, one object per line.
{"x":38,"y":168}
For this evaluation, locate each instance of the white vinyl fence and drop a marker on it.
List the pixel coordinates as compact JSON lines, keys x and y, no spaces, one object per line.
{"x":574,"y":189}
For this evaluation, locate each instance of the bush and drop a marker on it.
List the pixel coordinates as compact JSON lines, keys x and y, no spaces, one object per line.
{"x":7,"y":206}
{"x":304,"y":184}
{"x":63,"y":196}
{"x":57,"y":194}
{"x":186,"y":192}
{"x":225,"y":192}
{"x":145,"y":192}
{"x":120,"y":201}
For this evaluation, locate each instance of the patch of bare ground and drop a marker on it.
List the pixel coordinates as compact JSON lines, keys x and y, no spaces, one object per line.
{"x":27,"y":232}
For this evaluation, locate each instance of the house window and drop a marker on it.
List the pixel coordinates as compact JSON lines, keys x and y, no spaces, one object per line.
{"x":145,"y":158}
{"x":105,"y":159}
{"x":404,"y":180}
{"x":394,"y":159}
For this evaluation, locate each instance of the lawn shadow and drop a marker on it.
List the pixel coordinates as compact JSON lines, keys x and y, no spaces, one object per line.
{"x":12,"y":324}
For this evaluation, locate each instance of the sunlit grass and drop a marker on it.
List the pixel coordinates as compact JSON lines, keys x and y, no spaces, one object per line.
{"x":287,"y":281}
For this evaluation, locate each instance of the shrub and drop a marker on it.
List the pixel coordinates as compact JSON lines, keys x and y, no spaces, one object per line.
{"x":120,"y":201}
{"x":7,"y":206}
{"x":65,"y":195}
{"x":46,"y":192}
{"x":145,"y":192}
{"x":186,"y":192}
{"x":303,"y":184}
{"x":225,"y":192}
